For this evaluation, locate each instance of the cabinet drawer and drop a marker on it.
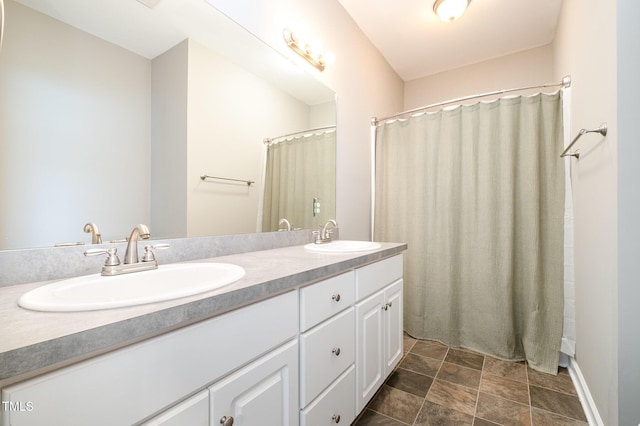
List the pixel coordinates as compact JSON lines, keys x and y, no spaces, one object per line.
{"x":325,"y":299}
{"x":374,"y":277}
{"x":336,"y":400}
{"x":325,"y":352}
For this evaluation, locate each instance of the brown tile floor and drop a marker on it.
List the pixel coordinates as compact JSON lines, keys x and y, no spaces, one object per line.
{"x":437,"y":385}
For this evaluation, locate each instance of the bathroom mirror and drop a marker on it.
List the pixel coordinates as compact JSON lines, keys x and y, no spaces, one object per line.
{"x":112,"y":110}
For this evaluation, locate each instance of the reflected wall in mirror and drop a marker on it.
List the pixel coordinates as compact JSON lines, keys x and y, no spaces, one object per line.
{"x":111,"y":111}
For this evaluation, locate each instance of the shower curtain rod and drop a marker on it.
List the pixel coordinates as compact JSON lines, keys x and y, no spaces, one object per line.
{"x":566,"y":82}
{"x":267,"y":141}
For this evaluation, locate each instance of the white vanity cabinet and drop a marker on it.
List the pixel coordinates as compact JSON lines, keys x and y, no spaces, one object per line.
{"x":131,"y":384}
{"x":327,"y":351}
{"x":313,"y":356}
{"x":379,"y":325}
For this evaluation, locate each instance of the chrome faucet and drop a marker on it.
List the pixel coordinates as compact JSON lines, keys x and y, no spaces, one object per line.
{"x":92,"y":228}
{"x":131,"y":255}
{"x":131,"y":262}
{"x":285,"y":222}
{"x":324,"y":235}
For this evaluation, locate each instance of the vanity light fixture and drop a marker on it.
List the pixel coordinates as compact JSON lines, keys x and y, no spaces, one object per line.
{"x":315,"y":57}
{"x":450,"y":10}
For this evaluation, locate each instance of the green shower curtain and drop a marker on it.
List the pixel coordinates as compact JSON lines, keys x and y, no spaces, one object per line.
{"x":477,"y":192}
{"x":297,"y":171}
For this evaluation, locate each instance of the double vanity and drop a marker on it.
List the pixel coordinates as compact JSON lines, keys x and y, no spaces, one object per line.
{"x":305,"y":337}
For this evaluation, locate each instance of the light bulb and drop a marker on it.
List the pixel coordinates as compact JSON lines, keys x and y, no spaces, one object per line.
{"x":328,"y":58}
{"x":450,"y":10}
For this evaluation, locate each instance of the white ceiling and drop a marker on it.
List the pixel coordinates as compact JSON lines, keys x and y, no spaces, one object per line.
{"x":416,"y":43}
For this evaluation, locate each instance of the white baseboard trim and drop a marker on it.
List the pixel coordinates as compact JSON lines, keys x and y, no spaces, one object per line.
{"x":589,"y":406}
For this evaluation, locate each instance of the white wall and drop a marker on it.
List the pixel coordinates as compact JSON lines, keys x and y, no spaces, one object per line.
{"x":74,"y":114}
{"x":585,"y":47}
{"x":528,"y":68}
{"x":169,"y":74}
{"x":365,"y":84}
{"x":323,"y":115}
{"x":628,"y":33}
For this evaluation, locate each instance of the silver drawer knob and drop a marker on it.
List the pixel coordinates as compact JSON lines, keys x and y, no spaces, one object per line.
{"x":336,"y":297}
{"x":336,"y":351}
{"x":336,"y":418}
{"x":226,"y":421}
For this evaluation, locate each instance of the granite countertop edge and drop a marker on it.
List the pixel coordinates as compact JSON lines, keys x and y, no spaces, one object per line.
{"x":39,"y":357}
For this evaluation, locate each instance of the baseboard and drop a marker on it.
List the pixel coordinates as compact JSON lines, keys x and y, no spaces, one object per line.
{"x":589,"y":406}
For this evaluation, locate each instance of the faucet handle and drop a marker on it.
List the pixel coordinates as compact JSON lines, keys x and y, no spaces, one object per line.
{"x":149,"y":256}
{"x":112,"y":257}
{"x":316,"y":235}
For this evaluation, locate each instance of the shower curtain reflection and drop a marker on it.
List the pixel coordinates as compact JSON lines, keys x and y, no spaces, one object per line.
{"x":477,"y":192}
{"x":299,"y":170}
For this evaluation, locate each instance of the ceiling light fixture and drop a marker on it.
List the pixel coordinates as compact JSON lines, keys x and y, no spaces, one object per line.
{"x":450,"y":10}
{"x":314,"y":56}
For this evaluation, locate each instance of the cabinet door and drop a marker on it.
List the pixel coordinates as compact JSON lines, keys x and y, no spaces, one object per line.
{"x":393,"y":325}
{"x":370,"y":353}
{"x":264,"y":393}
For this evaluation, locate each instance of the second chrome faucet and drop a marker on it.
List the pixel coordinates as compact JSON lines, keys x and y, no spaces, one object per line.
{"x":324,"y":234}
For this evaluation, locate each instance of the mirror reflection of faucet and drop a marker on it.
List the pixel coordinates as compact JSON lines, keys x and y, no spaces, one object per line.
{"x":112,"y":266}
{"x":122,"y":240}
{"x":92,"y":228}
{"x":285,"y":222}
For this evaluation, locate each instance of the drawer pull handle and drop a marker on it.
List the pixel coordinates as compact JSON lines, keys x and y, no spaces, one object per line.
{"x":385,"y":307}
{"x":336,"y":351}
{"x":336,"y":418}
{"x":336,"y":297}
{"x":226,"y":421}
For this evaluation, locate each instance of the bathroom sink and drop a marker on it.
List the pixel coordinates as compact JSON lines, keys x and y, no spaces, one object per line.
{"x":95,"y":292}
{"x":342,"y":246}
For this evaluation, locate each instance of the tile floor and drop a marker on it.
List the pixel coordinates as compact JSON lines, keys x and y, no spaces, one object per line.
{"x":437,"y":385}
